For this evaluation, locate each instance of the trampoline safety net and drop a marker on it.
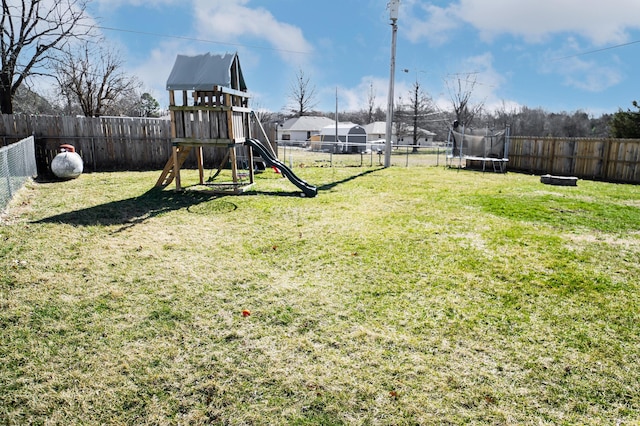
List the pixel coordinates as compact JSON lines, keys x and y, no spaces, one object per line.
{"x":482,"y":145}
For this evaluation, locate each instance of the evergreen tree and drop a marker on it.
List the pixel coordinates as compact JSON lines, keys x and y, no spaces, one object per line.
{"x":626,"y":124}
{"x":149,"y":105}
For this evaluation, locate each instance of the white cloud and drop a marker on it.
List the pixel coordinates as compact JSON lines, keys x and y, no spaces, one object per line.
{"x":154,"y":69}
{"x":597,"y":79}
{"x":480,"y":78}
{"x":232,"y":20}
{"x":584,"y":74}
{"x":426,"y":21}
{"x":485,"y":84}
{"x":599,"y":22}
{"x":356,"y":98}
{"x":114,"y":4}
{"x":231,"y":25}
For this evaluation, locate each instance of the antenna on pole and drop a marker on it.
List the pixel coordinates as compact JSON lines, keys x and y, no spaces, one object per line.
{"x":393,"y":6}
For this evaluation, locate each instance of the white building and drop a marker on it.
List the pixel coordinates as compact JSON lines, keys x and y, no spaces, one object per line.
{"x":425,"y":137}
{"x":301,"y":129}
{"x":377,"y":131}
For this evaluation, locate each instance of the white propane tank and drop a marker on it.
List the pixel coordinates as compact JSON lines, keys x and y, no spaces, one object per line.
{"x":67,"y":164}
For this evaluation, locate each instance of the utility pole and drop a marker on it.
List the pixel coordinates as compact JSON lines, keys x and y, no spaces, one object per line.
{"x":394,"y":5}
{"x":337,"y":140}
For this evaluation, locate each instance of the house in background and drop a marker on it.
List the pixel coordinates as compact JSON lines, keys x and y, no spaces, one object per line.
{"x":301,"y":129}
{"x":425,"y":137}
{"x":377,"y":132}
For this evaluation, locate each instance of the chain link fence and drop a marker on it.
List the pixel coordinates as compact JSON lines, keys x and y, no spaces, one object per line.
{"x":304,"y":154}
{"x":17,"y":164}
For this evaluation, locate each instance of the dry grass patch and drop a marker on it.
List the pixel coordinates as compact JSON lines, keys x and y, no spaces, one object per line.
{"x":397,"y":296}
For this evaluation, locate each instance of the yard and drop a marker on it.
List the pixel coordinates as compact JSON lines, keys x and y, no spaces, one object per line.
{"x":396,"y":296}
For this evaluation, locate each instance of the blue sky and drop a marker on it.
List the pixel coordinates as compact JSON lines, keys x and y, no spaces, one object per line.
{"x":560,"y":55}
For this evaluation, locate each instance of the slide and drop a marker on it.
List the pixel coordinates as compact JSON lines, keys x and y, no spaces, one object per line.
{"x":271,"y":160}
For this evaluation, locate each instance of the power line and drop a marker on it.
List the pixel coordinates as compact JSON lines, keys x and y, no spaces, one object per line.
{"x":201,"y":40}
{"x":589,"y":52}
{"x":178,"y":37}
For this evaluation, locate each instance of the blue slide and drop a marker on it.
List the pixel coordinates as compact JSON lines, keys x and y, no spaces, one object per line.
{"x":271,"y":160}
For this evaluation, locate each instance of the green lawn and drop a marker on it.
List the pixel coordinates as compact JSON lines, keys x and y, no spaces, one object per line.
{"x":397,"y":296}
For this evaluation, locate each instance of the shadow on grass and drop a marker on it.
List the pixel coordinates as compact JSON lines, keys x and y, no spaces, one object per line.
{"x":156,"y":201}
{"x":133,"y":211}
{"x":332,"y":185}
{"x":299,"y":194}
{"x":295,"y":194}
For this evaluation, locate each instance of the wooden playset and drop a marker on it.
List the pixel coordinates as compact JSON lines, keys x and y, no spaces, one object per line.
{"x":208,"y":103}
{"x":209,"y":108}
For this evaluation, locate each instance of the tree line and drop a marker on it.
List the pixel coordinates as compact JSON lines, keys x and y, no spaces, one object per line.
{"x":41,"y":38}
{"x":415,"y":111}
{"x":56,"y":39}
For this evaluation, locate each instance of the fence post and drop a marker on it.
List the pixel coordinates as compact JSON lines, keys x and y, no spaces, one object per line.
{"x":551,"y":162}
{"x":93,"y":153}
{"x":605,"y":161}
{"x":5,"y":164}
{"x":25,"y":161}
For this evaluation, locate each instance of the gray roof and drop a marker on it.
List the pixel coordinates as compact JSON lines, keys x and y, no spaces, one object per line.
{"x":202,"y":72}
{"x":380,"y":128}
{"x":343,"y":129}
{"x":376,"y":128}
{"x":306,"y":123}
{"x":420,"y":131}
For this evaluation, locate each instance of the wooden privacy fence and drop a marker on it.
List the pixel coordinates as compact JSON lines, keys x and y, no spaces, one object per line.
{"x":122,"y":143}
{"x":104,"y":143}
{"x":612,"y":160}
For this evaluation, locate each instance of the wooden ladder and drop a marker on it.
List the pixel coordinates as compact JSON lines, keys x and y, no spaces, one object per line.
{"x":169,"y":171}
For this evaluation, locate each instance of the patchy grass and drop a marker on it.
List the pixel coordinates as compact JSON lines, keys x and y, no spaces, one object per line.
{"x":397,"y":296}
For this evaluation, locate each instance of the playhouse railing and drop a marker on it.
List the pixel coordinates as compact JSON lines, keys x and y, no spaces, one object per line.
{"x":214,"y":117}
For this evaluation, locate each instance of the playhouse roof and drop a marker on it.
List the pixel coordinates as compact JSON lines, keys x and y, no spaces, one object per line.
{"x":202,"y":72}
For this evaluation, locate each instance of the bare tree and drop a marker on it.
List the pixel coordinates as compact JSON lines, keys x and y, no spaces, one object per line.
{"x":400,"y":114}
{"x":371,"y":104}
{"x":31,"y":31}
{"x":414,"y":113}
{"x":28,"y":102}
{"x":93,"y":76}
{"x":503,"y":116}
{"x":302,"y":95}
{"x":130,"y":104}
{"x":264,"y":116}
{"x":460,"y":92}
